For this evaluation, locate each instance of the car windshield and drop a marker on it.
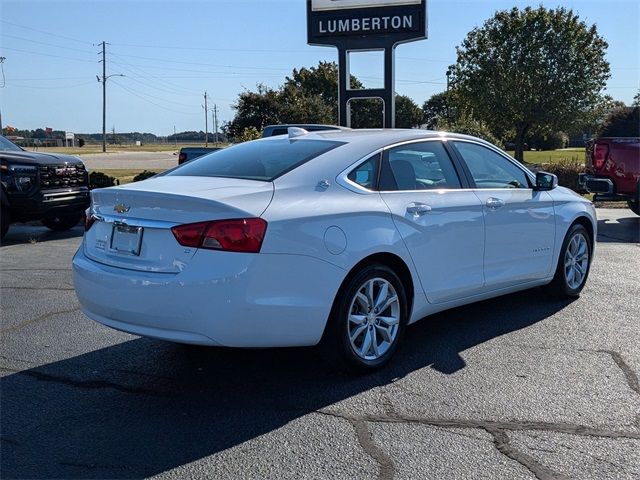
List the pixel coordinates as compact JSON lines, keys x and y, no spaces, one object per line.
{"x":8,"y":146}
{"x":258,"y":160}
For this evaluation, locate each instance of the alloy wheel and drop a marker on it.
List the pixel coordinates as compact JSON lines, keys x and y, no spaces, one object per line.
{"x":576,"y":261}
{"x":374,"y":319}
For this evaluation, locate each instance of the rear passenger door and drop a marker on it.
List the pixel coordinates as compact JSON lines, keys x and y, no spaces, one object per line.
{"x":519,"y":222}
{"x":440,"y":221}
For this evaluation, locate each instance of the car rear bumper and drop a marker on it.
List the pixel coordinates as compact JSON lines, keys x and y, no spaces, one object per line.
{"x":602,"y":187}
{"x":220,"y":298}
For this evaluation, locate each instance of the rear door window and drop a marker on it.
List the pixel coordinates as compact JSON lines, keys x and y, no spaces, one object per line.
{"x":418,"y":166}
{"x":263,"y":160}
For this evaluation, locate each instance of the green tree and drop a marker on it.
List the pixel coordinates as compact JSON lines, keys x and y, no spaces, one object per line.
{"x":408,"y":113}
{"x":622,"y":122}
{"x":248,"y":134}
{"x":310,"y":95}
{"x":469,"y":126}
{"x":439,"y":108}
{"x":530,"y":68}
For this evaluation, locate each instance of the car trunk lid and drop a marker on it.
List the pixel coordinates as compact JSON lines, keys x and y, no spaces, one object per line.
{"x":133,"y":222}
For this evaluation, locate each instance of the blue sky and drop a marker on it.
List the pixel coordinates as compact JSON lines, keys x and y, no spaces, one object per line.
{"x":171,"y":52}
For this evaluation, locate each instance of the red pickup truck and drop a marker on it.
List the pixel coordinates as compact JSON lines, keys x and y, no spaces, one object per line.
{"x":613,"y":170}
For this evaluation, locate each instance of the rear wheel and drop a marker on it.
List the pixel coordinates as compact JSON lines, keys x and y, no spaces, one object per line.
{"x":573,"y":264}
{"x":5,"y":221}
{"x":61,"y":223}
{"x":368,"y":320}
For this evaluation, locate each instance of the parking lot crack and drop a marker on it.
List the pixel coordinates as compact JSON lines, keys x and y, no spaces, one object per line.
{"x":57,"y":289}
{"x":85,"y":384}
{"x":502,"y":443}
{"x":386,"y":469}
{"x":567,"y":428}
{"x":41,"y":318}
{"x":629,"y":374}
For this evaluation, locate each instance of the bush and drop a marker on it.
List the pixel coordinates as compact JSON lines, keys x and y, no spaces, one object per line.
{"x":248,"y":134}
{"x":547,"y":140}
{"x":101,"y":180}
{"x":567,"y":172}
{"x":144,"y":175}
{"x":469,"y":126}
{"x":622,"y":122}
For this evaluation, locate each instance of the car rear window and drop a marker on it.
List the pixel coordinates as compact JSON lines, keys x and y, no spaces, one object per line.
{"x":258,"y":160}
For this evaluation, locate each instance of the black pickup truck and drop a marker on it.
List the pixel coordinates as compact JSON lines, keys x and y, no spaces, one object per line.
{"x":41,"y":186}
{"x":189,"y":153}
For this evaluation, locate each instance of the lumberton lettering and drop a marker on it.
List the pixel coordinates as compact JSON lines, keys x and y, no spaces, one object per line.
{"x":366,"y":24}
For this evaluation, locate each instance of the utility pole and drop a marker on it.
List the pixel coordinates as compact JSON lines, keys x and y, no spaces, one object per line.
{"x":2,"y":59}
{"x":104,"y":92}
{"x":206,"y":120}
{"x":104,"y":97}
{"x":174,"y":136}
{"x":215,"y":122}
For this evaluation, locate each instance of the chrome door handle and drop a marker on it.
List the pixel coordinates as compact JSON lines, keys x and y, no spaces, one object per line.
{"x":494,"y":203}
{"x":418,"y":209}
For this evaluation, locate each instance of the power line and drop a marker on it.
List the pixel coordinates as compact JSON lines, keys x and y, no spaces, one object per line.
{"x":60,"y":87}
{"x":47,"y":54}
{"x":46,"y":33}
{"x":153,"y":96}
{"x":144,"y":72}
{"x":165,"y":60}
{"x":47,"y":43}
{"x":127,"y":89}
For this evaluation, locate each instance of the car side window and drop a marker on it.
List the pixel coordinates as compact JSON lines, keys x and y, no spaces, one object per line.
{"x":366,"y":173}
{"x":418,"y":166}
{"x":490,"y":169}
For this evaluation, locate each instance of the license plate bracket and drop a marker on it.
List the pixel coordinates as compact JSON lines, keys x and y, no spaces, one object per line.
{"x":126,"y":239}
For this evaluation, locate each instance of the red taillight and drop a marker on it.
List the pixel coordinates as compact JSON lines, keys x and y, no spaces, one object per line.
{"x":181,"y":158}
{"x":89,"y":220}
{"x":236,"y":235}
{"x":600,"y":152}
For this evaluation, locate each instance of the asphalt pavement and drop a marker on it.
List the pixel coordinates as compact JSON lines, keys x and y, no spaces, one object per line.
{"x":523,"y":386}
{"x":131,"y":160}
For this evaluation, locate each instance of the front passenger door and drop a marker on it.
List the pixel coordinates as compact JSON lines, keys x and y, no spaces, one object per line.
{"x":519,"y":222}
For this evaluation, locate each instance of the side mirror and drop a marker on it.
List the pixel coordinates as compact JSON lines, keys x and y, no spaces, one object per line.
{"x":545,"y":181}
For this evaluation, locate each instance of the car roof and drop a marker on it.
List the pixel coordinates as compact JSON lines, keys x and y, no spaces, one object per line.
{"x":375,"y":138}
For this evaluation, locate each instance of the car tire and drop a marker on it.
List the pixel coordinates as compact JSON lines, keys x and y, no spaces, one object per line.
{"x":367,"y":321}
{"x":5,"y":221}
{"x":61,"y":223}
{"x":574,"y":263}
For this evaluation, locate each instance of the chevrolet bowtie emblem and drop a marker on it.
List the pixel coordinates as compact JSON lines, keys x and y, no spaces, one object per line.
{"x":121,"y":208}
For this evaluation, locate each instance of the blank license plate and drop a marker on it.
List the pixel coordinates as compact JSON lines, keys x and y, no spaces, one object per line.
{"x":125,"y":239}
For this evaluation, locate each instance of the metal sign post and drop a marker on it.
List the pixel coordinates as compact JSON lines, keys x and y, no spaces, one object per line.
{"x":366,"y":25}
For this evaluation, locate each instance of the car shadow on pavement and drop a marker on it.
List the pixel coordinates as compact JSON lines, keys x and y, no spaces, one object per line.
{"x":621,"y":230}
{"x":143,"y":407}
{"x":24,"y":233}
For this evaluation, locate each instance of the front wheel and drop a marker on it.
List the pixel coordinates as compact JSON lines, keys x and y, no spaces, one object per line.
{"x":61,"y":223}
{"x":368,"y":319}
{"x":634,"y":206}
{"x":573,"y":264}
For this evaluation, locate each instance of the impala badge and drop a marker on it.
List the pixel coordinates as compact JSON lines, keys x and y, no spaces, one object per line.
{"x":121,"y":208}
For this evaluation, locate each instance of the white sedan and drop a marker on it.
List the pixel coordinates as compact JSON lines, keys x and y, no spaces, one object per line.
{"x":340,"y":237}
